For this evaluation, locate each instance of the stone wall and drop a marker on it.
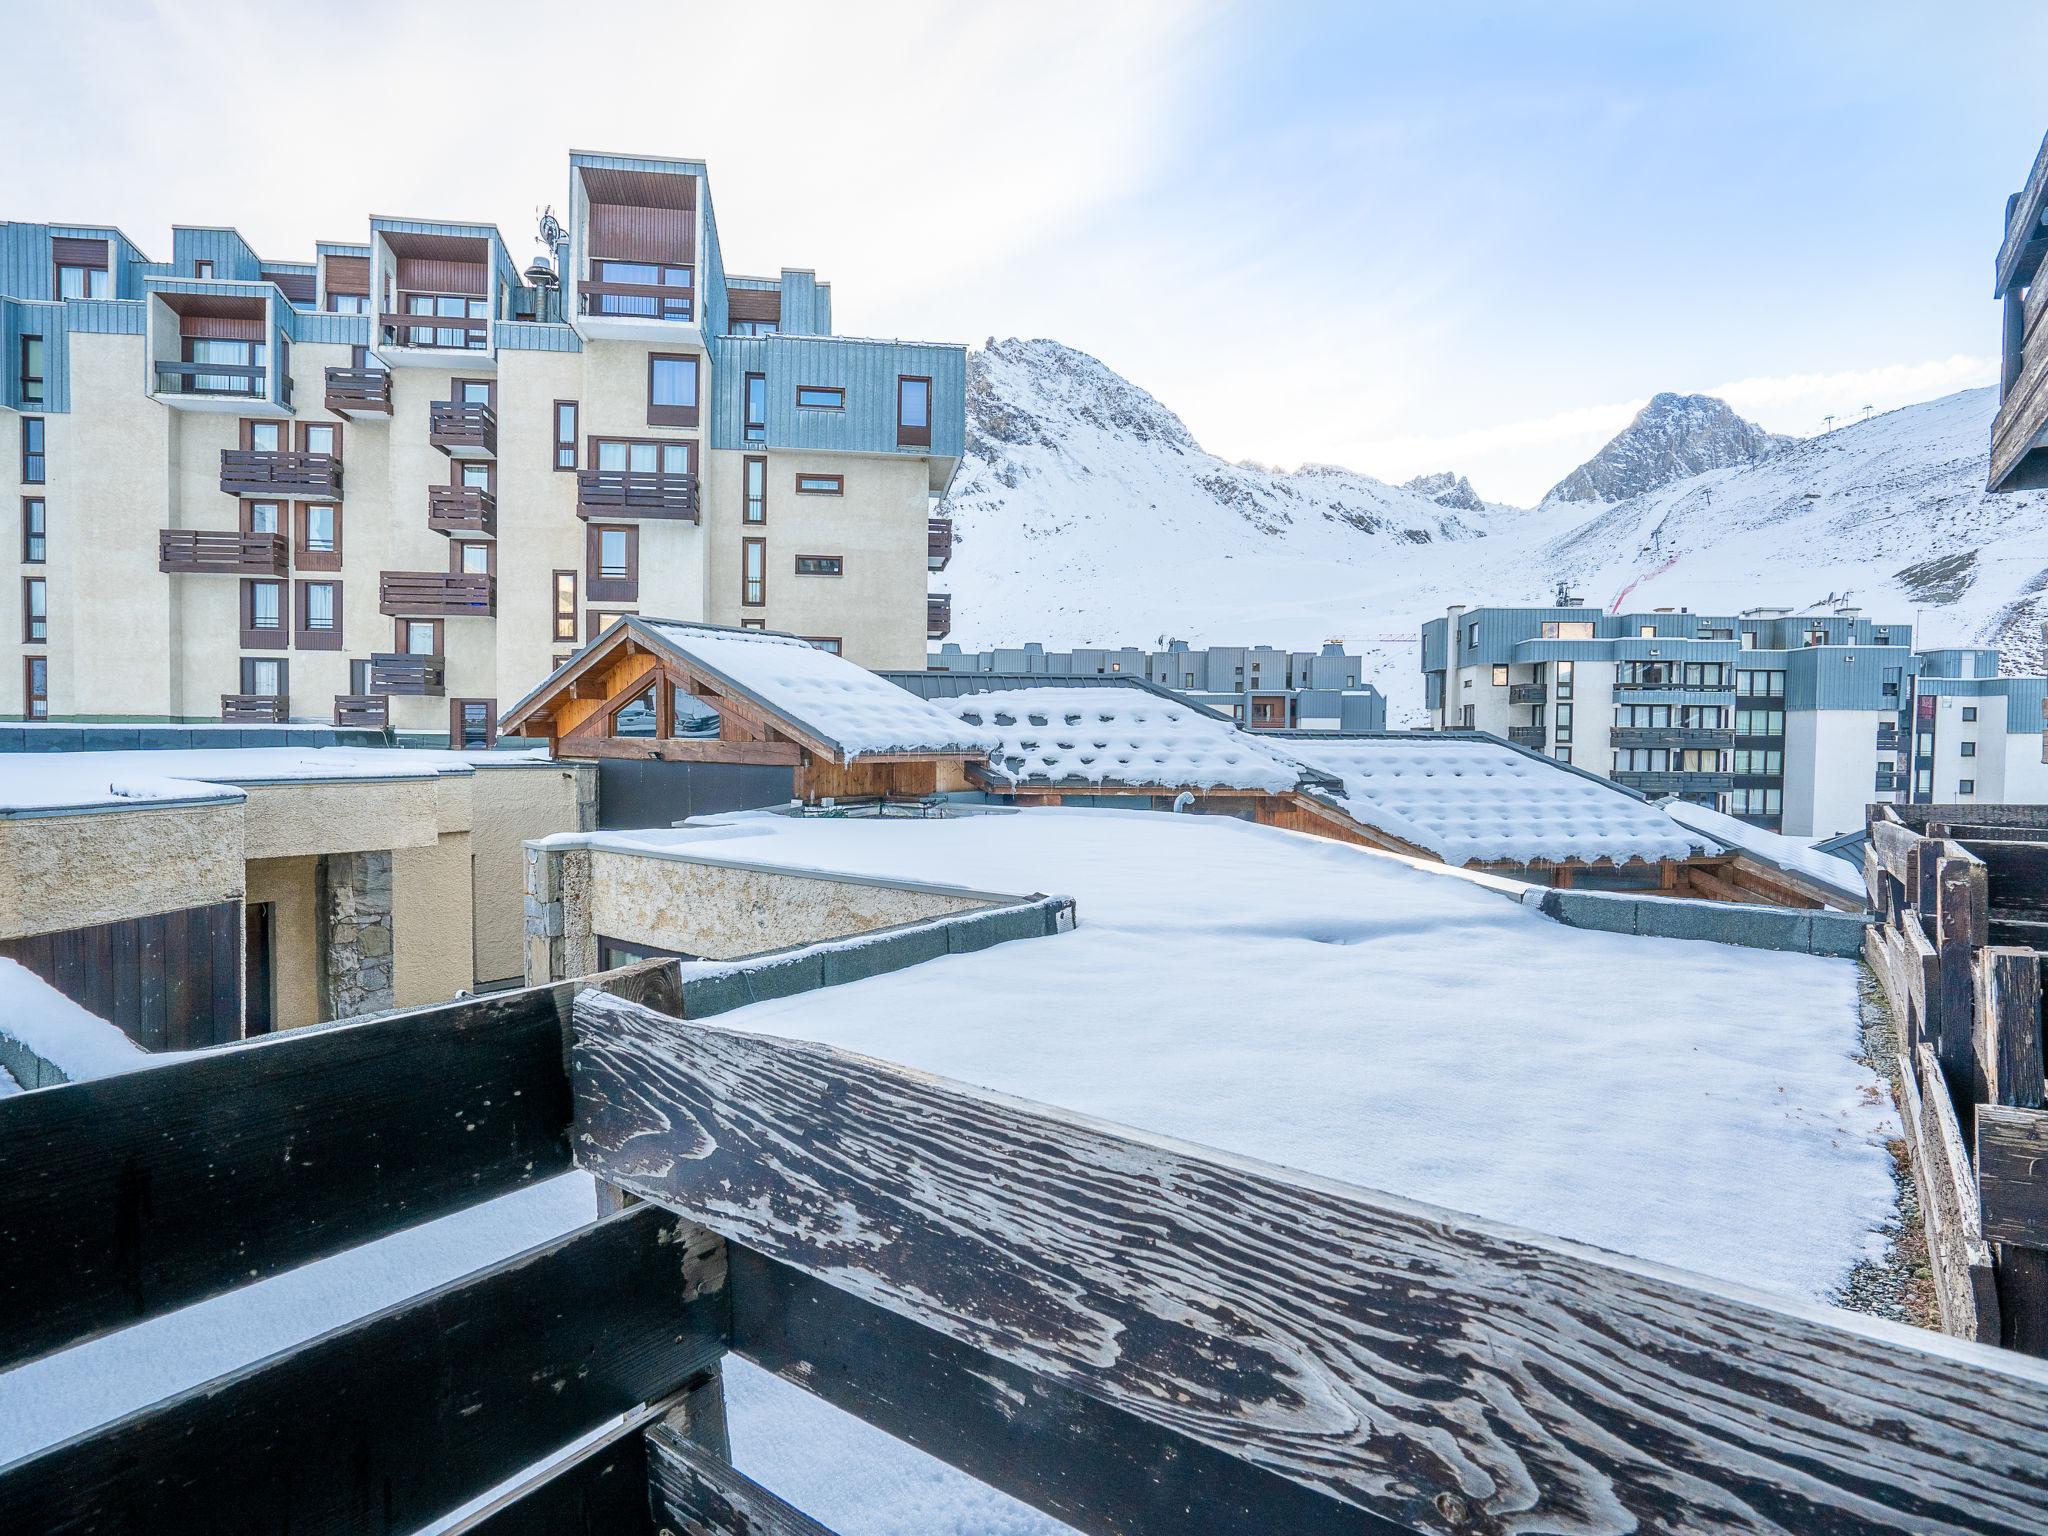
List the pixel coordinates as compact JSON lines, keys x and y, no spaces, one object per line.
{"x":354,"y":915}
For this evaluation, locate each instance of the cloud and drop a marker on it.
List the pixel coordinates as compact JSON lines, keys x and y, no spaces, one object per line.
{"x":1796,"y":402}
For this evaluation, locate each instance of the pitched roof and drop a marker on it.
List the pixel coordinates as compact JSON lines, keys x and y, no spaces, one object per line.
{"x":1788,"y":853}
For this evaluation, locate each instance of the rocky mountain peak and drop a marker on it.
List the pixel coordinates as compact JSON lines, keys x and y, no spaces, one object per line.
{"x":1447,"y":489}
{"x":1672,"y":437}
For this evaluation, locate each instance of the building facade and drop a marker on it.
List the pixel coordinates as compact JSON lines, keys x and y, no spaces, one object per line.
{"x":2019,"y":435}
{"x":401,"y":482}
{"x":1793,"y":722}
{"x":1256,"y":686}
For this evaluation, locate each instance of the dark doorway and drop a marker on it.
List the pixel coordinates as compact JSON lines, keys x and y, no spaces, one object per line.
{"x":257,"y":1017}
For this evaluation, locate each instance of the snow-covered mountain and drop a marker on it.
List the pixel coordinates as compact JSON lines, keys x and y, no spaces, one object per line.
{"x":1086,"y":514}
{"x":1672,"y":438}
{"x":1447,"y":489}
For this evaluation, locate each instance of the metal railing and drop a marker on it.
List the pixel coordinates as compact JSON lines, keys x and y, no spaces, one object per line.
{"x":1527,"y":735}
{"x":1528,"y":693}
{"x":242,"y":381}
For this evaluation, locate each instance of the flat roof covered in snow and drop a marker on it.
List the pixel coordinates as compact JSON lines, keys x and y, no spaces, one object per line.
{"x":56,"y":783}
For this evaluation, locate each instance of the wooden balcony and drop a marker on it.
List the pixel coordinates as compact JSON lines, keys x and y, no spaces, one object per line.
{"x":462,"y":509}
{"x":444,"y":333}
{"x":939,"y":543}
{"x":204,"y":552}
{"x":625,"y":494}
{"x":1669,"y":736}
{"x":239,"y":381}
{"x":415,"y":676}
{"x":1530,"y":736}
{"x":1674,"y":783}
{"x":637,"y":301}
{"x":353,"y":392}
{"x":307,"y":476}
{"x":362,"y":711}
{"x":938,"y":615}
{"x":463,"y":430}
{"x":437,"y":594}
{"x":255,"y":708}
{"x":1528,"y":693}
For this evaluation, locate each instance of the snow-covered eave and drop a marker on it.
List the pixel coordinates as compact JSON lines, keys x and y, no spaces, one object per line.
{"x":995,"y":776}
{"x":1383,"y":822}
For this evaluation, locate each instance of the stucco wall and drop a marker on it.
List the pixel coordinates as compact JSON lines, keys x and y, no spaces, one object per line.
{"x":288,"y":885}
{"x":722,"y":913}
{"x":59,"y":872}
{"x":509,"y":805}
{"x":432,"y":942}
{"x":341,"y":816}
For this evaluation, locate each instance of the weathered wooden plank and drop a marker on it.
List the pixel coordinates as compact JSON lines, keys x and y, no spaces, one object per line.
{"x":2017,"y":871}
{"x":1949,"y":1206}
{"x":601,"y":1493}
{"x":1894,"y":846}
{"x":2007,"y":1048}
{"x":1955,"y":930}
{"x":129,"y":1196}
{"x":1398,"y":1358}
{"x":408,"y":1414}
{"x":2012,"y":1174}
{"x":698,"y":1493}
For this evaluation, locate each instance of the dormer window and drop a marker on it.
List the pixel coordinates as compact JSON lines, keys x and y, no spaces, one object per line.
{"x":81,"y":268}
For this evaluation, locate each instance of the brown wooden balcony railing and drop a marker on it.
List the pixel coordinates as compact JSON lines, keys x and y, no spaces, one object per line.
{"x":311,"y":476}
{"x":449,"y":333}
{"x":938,"y":615}
{"x":462,"y":509}
{"x":437,"y":594}
{"x":206,"y":552}
{"x":362,"y":711}
{"x":240,"y":380}
{"x":256,"y":708}
{"x":637,"y":301}
{"x":354,"y":392}
{"x":626,"y":494}
{"x":463,"y":430}
{"x":422,"y":676}
{"x":939,"y":543}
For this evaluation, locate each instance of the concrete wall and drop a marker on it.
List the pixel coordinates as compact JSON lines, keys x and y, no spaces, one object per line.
{"x":1830,"y":770}
{"x":289,"y":885}
{"x":343,"y":816}
{"x":509,"y":805}
{"x":63,"y":872}
{"x":433,"y":944}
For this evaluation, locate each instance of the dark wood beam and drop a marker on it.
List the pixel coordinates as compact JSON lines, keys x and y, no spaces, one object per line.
{"x":130,"y":1196}
{"x":393,"y":1421}
{"x":701,"y":1494}
{"x":1429,"y":1368}
{"x":691,"y":750}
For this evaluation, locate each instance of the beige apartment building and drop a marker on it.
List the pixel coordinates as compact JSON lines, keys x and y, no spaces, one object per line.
{"x":401,"y":482}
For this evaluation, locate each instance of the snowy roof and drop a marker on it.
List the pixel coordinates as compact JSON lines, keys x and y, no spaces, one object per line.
{"x":1786,"y":852}
{"x":33,"y":783}
{"x":842,"y":705}
{"x":77,"y":1043}
{"x":1469,"y":797}
{"x":1121,"y":736}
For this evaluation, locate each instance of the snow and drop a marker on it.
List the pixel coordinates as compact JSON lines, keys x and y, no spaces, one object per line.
{"x":47,"y":781}
{"x":825,"y":695}
{"x":1465,"y":798}
{"x":1120,"y":736}
{"x":1786,"y":852}
{"x":61,"y":781}
{"x":79,"y":1044}
{"x":1329,"y":1008}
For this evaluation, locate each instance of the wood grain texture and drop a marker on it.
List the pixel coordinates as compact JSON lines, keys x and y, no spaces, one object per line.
{"x":698,"y":1493}
{"x":1387,"y":1354}
{"x":2007,"y":1054}
{"x":2018,"y":872}
{"x":397,"y":1419}
{"x":126,"y":1197}
{"x":1956,"y":1250}
{"x":2012,"y":1174}
{"x":602,"y":1494}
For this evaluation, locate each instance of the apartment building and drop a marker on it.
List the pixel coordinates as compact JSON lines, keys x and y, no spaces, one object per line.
{"x":402,"y":481}
{"x":1976,"y":735}
{"x":1793,"y":722}
{"x":1257,"y":686}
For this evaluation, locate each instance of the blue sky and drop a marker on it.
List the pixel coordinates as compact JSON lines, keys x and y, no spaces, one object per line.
{"x":1398,"y":237}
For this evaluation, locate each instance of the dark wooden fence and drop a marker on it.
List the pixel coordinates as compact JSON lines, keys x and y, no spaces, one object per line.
{"x":1961,"y":895}
{"x":171,"y":981}
{"x":1134,"y":1335}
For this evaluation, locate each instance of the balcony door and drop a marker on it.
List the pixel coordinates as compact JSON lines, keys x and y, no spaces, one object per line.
{"x":641,"y":458}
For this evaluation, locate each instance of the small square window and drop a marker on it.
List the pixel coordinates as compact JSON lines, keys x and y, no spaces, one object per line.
{"x":1500,"y":677}
{"x":1969,"y":713}
{"x":1968,"y":749}
{"x":1966,"y":786}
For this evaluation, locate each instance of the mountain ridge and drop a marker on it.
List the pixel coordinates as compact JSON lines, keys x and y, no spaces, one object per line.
{"x":1674,"y":437}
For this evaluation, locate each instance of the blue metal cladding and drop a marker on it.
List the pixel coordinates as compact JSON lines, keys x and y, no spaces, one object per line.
{"x":326,"y":328}
{"x":501,"y":258}
{"x":821,"y":310}
{"x":19,"y":318}
{"x":866,"y":370}
{"x":799,"y":303}
{"x":233,"y":261}
{"x":534,"y":336}
{"x":107,"y":317}
{"x":1434,"y":634}
{"x":28,"y":272}
{"x":712,"y":265}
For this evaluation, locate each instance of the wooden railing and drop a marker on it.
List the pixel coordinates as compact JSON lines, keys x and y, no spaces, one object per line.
{"x":628,"y":494}
{"x":362,"y":711}
{"x":403,"y":673}
{"x":400,"y":331}
{"x":1131,"y":1334}
{"x":241,"y":380}
{"x":256,"y":708}
{"x":1531,"y":736}
{"x":205,"y":551}
{"x":353,"y":392}
{"x":938,"y":543}
{"x":1705,"y":739}
{"x":463,"y":429}
{"x":1528,"y":693}
{"x":308,"y":475}
{"x":434,"y":594}
{"x":636,"y":301}
{"x":461,"y":509}
{"x":938,"y":615}
{"x":1653,"y":781}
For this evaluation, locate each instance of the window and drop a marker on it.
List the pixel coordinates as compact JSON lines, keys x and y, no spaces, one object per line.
{"x":320,"y":437}
{"x":1760,"y":685}
{"x":672,"y":299}
{"x":472,"y":724}
{"x":1472,"y":636}
{"x":565,"y":434}
{"x":1567,"y":630}
{"x":263,"y":616}
{"x":1966,"y":748}
{"x":1564,"y":722}
{"x":565,"y":607}
{"x":418,"y":637}
{"x":318,"y":545}
{"x":262,"y":517}
{"x":1500,"y":676}
{"x":753,"y":572}
{"x":1769,"y":764}
{"x":1642,"y":717}
{"x":1966,"y":786}
{"x":265,"y":678}
{"x":476,"y":475}
{"x":453,"y":310}
{"x":1564,"y":679}
{"x":820,"y":397}
{"x":35,"y":612}
{"x":84,"y":283}
{"x":263,"y":436}
{"x":1562,"y":754}
{"x":671,"y":391}
{"x":1759,"y":722}
{"x":1466,"y":721}
{"x":1969,"y":713}
{"x":203,"y":270}
{"x":640,"y":457}
{"x":319,"y":616}
{"x":348,"y":303}
{"x":823,"y":642}
{"x":757,"y":408}
{"x":35,"y":529}
{"x":1756,"y":801}
{"x":821,"y":485}
{"x":31,"y":450}
{"x":31,"y":370}
{"x":595,"y":623}
{"x":35,"y":688}
{"x":757,"y":490}
{"x":913,"y":413}
{"x":612,"y":556}
{"x":753,"y":623}
{"x":750,"y":328}
{"x":819,"y":565}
